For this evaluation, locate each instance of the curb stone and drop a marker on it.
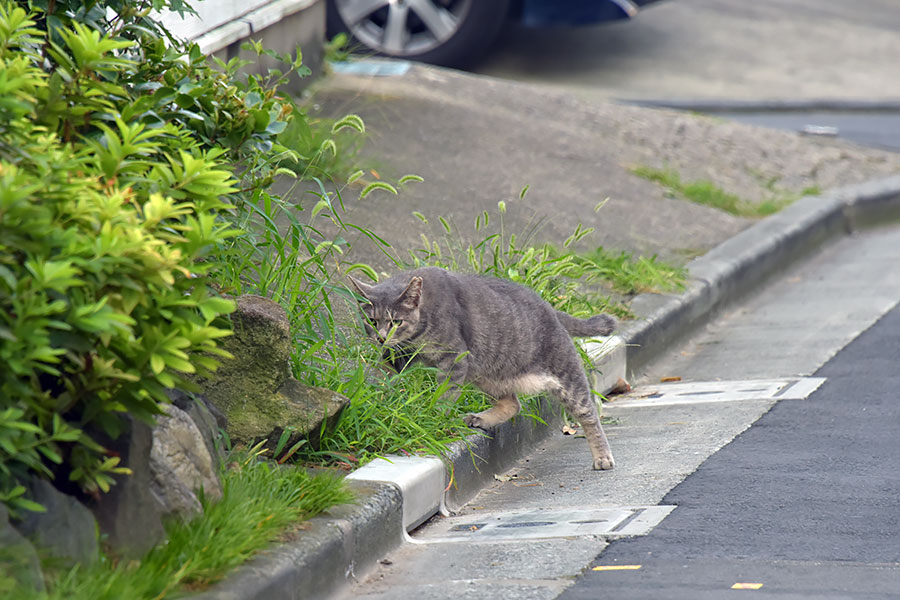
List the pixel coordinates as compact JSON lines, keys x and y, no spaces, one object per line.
{"x":342,"y":544}
{"x":773,"y":105}
{"x":739,"y":265}
{"x":347,"y":541}
{"x":329,"y":551}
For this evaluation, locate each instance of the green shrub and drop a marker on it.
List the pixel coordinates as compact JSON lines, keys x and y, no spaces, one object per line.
{"x":104,"y":220}
{"x":135,"y":174}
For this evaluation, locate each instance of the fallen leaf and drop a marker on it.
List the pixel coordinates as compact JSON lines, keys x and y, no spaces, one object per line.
{"x":669,"y":379}
{"x":621,"y":387}
{"x":569,"y":430}
{"x":505,"y":478}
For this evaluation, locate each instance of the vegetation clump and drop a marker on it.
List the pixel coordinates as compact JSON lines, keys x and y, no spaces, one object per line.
{"x":261,"y":503}
{"x":709,"y":194}
{"x":105,"y":222}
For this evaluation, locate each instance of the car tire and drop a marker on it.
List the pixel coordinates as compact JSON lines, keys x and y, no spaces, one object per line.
{"x":452,"y":33}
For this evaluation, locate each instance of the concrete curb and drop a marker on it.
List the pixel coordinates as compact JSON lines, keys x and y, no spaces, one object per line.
{"x":737,"y":266}
{"x":772,"y":105}
{"x":344,"y":543}
{"x":327,"y":553}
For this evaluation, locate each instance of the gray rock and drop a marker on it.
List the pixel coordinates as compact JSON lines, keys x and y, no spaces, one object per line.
{"x":19,"y":564}
{"x":180,"y":463}
{"x":67,"y":532}
{"x":208,"y":419}
{"x":129,"y":514}
{"x":261,"y":346}
{"x":255,"y":391}
{"x":304,"y":408}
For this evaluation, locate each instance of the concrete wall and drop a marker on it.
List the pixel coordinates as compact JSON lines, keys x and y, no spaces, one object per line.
{"x":223,"y":25}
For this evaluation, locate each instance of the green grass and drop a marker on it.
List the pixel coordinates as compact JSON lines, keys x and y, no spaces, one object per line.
{"x":328,"y":148}
{"x":410,"y":412}
{"x":708,"y":194}
{"x":631,"y":275}
{"x":285,"y":256}
{"x":261,"y":501}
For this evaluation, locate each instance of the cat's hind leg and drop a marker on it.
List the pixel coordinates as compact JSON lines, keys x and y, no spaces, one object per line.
{"x":576,"y":397}
{"x":504,"y":408}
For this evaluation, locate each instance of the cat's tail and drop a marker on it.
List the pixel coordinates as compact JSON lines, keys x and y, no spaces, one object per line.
{"x":601,"y":324}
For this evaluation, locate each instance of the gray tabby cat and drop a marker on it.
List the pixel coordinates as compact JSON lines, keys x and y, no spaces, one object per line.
{"x":493,"y":333}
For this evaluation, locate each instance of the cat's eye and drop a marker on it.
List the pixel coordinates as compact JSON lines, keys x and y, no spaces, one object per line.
{"x":396,"y":322}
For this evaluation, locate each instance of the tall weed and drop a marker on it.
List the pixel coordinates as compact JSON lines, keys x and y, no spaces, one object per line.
{"x":260,"y":502}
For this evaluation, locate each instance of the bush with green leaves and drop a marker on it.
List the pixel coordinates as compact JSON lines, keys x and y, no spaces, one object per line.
{"x":134,"y":176}
{"x":104,"y":222}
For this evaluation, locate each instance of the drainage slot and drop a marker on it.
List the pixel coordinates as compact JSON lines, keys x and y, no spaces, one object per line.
{"x":469,"y":527}
{"x":546,"y":523}
{"x":528,"y":524}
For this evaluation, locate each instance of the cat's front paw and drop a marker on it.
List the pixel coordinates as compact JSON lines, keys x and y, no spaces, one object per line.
{"x":605,"y":463}
{"x":473,"y":420}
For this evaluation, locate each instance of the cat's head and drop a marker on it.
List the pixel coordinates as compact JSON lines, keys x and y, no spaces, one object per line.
{"x":390,"y":309}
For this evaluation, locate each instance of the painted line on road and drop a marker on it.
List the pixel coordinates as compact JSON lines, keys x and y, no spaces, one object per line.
{"x":747,"y":586}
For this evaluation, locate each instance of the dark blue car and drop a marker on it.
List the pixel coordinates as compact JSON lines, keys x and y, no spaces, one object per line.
{"x":456,"y":32}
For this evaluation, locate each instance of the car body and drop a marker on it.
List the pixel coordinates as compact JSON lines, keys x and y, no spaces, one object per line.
{"x":456,"y":32}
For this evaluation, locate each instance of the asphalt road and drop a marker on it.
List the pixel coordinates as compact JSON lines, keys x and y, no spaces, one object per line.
{"x":717,"y":49}
{"x":805,"y":502}
{"x":765,"y":51}
{"x":874,"y":129}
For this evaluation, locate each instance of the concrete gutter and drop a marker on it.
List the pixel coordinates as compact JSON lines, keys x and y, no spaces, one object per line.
{"x":345,"y":543}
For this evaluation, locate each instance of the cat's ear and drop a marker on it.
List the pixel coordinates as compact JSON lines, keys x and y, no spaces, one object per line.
{"x":412,"y":295}
{"x":363,"y":289}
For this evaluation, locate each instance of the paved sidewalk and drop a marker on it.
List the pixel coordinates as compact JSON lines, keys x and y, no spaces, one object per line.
{"x":478,"y":140}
